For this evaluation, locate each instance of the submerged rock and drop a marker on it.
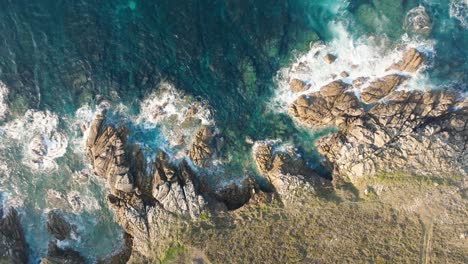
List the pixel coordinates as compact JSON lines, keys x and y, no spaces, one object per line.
{"x":331,"y":106}
{"x":418,"y":21}
{"x":56,"y":255}
{"x":58,"y":226}
{"x":13,"y":248}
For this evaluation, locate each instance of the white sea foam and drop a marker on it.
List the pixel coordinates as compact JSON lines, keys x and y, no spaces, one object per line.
{"x":42,"y":141}
{"x":364,"y":57}
{"x":80,"y":202}
{"x":458,"y":9}
{"x":3,"y":100}
{"x":176,"y":114}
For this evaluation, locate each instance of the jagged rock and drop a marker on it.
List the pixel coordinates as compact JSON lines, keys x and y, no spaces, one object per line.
{"x":152,"y":227}
{"x":331,"y":106}
{"x":203,"y":146}
{"x":380,"y":88}
{"x":105,"y":149}
{"x":150,"y":207}
{"x":298,"y":86}
{"x":344,"y":74}
{"x":415,"y":132}
{"x":175,"y":190}
{"x":56,"y":255}
{"x":411,"y":62}
{"x":13,"y":247}
{"x":292,"y":179}
{"x":329,"y":58}
{"x":58,"y":226}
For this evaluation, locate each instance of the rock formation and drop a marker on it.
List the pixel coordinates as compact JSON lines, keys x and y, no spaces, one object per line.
{"x":423,"y":133}
{"x":203,"y":146}
{"x":56,"y":255}
{"x":58,"y":226}
{"x":13,"y":247}
{"x":333,"y":105}
{"x":414,"y":132}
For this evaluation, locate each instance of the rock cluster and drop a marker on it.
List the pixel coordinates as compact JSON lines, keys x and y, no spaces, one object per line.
{"x":414,"y":132}
{"x":57,"y":255}
{"x":148,"y":207}
{"x":423,"y":133}
{"x":332,"y":105}
{"x":13,"y":247}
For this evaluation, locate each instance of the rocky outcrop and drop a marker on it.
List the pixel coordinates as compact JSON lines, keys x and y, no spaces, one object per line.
{"x":414,"y":132}
{"x":151,"y":208}
{"x":105,"y":148}
{"x":58,"y":226}
{"x":411,"y":62}
{"x":12,"y":244}
{"x":298,"y":86}
{"x":292,"y":179}
{"x":203,"y":146}
{"x":332,"y":105}
{"x":382,"y":87}
{"x":56,"y":255}
{"x":423,"y":133}
{"x":122,"y":255}
{"x":176,"y":188}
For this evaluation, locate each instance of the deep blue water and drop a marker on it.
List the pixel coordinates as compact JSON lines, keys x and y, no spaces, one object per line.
{"x":58,"y":56}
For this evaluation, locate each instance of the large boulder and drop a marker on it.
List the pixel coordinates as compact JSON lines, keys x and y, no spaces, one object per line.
{"x":13,"y":247}
{"x":332,"y":105}
{"x":298,"y":86}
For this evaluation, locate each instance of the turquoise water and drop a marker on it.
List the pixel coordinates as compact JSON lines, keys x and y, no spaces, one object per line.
{"x":61,"y":56}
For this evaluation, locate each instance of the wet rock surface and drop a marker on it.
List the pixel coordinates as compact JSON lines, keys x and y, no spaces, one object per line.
{"x":298,"y":86}
{"x":412,"y":60}
{"x":58,"y":226}
{"x":57,"y":255}
{"x":13,"y":248}
{"x":332,"y":105}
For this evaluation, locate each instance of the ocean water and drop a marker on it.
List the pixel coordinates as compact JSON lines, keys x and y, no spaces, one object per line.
{"x":60,"y":61}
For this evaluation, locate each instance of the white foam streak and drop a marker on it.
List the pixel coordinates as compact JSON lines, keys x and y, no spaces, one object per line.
{"x":3,"y":100}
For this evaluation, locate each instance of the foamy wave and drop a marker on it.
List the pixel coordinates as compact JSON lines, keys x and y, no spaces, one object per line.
{"x":176,"y":114}
{"x":80,"y":202}
{"x":38,"y":132}
{"x":3,"y":100}
{"x":364,"y":57}
{"x":458,"y":9}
